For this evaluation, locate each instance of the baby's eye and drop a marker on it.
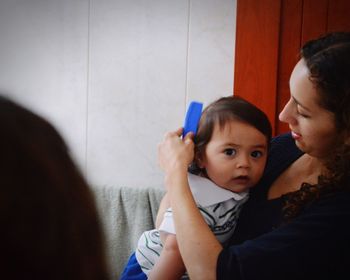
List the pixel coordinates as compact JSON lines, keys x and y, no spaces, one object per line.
{"x":256,"y":154}
{"x":230,"y":152}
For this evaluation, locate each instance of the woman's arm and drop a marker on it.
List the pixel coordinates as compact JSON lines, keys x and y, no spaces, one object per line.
{"x":198,"y":246}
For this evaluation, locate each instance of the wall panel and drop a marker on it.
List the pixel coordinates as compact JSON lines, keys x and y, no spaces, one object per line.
{"x":43,"y":54}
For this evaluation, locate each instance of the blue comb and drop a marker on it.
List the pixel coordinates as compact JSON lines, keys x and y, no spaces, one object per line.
{"x":192,"y":118}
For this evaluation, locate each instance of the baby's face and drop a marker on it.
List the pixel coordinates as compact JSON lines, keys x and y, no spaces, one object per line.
{"x":235,"y":157}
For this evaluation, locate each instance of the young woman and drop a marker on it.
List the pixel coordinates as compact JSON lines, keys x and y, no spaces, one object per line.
{"x":231,"y":151}
{"x":296,"y":224}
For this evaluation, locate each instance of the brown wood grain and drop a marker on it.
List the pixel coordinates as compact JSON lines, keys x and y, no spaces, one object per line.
{"x":290,"y":41}
{"x":257,"y":53}
{"x":338,"y":15}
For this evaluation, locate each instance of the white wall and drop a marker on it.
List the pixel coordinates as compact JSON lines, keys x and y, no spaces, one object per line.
{"x":114,"y":75}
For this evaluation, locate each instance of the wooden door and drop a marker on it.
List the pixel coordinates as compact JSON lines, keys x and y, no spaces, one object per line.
{"x":268,"y":38}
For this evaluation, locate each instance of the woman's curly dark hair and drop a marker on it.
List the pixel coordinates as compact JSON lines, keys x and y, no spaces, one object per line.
{"x":328,"y":60}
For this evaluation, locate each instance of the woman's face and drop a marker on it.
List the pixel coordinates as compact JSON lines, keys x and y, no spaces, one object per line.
{"x":313,"y":127}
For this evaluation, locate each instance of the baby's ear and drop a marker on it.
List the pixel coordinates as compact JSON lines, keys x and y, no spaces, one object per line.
{"x":198,"y":159}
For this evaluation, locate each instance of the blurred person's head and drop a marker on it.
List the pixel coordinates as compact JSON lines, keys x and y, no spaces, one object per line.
{"x":49,"y":222}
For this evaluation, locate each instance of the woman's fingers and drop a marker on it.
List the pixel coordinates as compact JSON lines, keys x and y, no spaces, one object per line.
{"x":189,"y":138}
{"x":176,"y":133}
{"x":174,"y":151}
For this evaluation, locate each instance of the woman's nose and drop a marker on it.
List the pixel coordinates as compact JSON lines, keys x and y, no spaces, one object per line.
{"x":287,"y":115}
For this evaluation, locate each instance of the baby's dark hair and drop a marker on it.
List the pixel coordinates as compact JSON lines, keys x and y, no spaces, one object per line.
{"x":220,"y":112}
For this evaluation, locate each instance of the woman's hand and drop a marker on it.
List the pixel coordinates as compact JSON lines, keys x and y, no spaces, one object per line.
{"x":175,"y":152}
{"x":198,"y":246}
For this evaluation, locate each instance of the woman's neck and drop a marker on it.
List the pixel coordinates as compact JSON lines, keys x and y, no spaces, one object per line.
{"x":306,"y":169}
{"x":311,"y":166}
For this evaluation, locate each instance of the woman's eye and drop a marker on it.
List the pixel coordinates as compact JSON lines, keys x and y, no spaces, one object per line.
{"x":230,"y":152}
{"x":256,"y":154}
{"x":302,"y":115}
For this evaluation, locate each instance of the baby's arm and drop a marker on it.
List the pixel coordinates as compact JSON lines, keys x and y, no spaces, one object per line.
{"x":169,"y":265}
{"x":164,"y":205}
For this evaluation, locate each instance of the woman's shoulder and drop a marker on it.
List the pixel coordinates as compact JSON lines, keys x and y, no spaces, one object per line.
{"x":283,"y":141}
{"x":282,"y":153}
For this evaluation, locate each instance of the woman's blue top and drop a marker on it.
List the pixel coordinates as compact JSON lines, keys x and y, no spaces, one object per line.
{"x":315,"y":245}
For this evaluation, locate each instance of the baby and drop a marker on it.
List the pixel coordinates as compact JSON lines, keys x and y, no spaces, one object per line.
{"x":231,"y":149}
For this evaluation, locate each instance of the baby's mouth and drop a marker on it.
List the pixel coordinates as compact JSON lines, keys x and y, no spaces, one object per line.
{"x":242,"y":179}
